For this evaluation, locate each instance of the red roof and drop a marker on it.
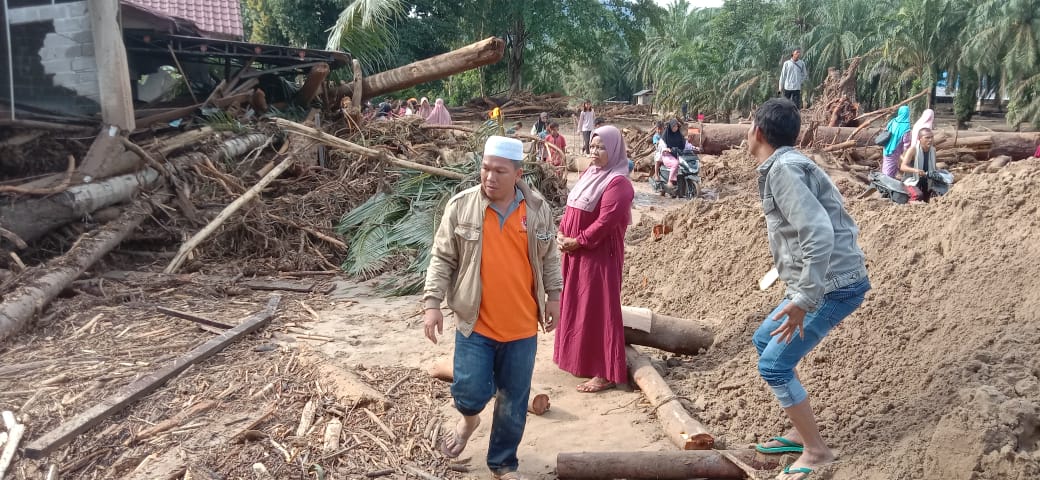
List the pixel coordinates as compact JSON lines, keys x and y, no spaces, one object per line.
{"x":221,"y":17}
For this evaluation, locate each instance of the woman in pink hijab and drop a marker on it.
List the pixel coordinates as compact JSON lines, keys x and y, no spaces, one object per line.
{"x":927,"y":117}
{"x":590,"y":338}
{"x":439,"y":115}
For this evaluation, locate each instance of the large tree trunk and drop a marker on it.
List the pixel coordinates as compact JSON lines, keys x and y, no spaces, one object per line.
{"x":32,"y":218}
{"x":659,"y":465}
{"x":685,"y":432}
{"x":484,"y":52}
{"x":517,"y":42}
{"x":19,"y":308}
{"x":719,"y":137}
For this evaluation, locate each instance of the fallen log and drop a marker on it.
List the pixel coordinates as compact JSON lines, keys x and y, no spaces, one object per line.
{"x":195,"y":240}
{"x":682,"y":429}
{"x":17,"y":309}
{"x":671,"y":334}
{"x":484,"y":52}
{"x":719,"y":137}
{"x":337,"y":142}
{"x":660,"y":465}
{"x":31,"y":218}
{"x":65,"y":432}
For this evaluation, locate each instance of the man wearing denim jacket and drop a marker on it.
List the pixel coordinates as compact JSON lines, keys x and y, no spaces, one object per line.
{"x":494,"y":264}
{"x":813,"y":242}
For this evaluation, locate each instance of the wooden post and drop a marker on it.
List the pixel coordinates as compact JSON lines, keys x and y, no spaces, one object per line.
{"x":117,"y":103}
{"x":315,"y":79}
{"x":660,"y":465}
{"x":67,"y":431}
{"x":671,"y":334}
{"x":359,"y":89}
{"x":685,"y":432}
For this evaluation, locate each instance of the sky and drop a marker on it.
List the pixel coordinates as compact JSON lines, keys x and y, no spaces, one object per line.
{"x":695,"y":3}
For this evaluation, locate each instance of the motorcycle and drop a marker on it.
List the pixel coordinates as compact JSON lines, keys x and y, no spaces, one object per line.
{"x":687,"y":179}
{"x":899,"y":192}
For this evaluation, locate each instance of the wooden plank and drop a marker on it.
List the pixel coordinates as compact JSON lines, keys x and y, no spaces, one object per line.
{"x":301,"y":287}
{"x":65,"y":432}
{"x":113,"y":71}
{"x":192,"y":317}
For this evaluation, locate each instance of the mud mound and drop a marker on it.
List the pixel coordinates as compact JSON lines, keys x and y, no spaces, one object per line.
{"x":936,"y":376}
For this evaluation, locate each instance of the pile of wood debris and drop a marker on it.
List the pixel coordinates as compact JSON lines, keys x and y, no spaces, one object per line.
{"x":520,"y":104}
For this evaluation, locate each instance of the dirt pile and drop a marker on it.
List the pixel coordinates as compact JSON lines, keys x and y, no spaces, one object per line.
{"x":935,"y":376}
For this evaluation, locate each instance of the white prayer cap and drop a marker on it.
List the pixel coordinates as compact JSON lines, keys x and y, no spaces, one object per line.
{"x":504,"y":147}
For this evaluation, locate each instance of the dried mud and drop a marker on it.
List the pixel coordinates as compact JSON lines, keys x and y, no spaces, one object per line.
{"x":935,"y":376}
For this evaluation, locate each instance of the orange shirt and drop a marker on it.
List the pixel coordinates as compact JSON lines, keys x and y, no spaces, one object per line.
{"x":508,"y":310}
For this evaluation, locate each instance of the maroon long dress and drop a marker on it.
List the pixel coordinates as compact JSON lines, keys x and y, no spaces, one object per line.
{"x":590,"y":339}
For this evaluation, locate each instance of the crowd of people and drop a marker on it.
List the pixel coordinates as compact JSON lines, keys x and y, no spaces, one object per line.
{"x":436,"y":114}
{"x":504,"y":268}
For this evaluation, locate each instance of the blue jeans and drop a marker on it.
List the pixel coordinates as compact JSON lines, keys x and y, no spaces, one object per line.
{"x":486,"y":368}
{"x":776,"y":360}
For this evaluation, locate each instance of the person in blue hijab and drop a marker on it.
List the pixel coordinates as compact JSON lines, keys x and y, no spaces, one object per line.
{"x":898,"y":141}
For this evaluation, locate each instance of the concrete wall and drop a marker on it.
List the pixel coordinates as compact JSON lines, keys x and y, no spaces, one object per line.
{"x":53,"y":53}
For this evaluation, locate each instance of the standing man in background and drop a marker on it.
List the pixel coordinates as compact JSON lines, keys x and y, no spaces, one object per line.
{"x":792,"y":76}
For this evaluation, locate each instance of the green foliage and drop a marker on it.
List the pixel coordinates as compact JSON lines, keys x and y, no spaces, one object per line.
{"x":966,"y":96}
{"x":723,"y":60}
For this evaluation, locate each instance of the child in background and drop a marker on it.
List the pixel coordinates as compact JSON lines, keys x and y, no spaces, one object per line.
{"x":555,"y":157}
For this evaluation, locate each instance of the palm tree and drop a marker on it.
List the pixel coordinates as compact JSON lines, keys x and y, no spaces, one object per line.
{"x":364,"y":28}
{"x":1004,"y":41}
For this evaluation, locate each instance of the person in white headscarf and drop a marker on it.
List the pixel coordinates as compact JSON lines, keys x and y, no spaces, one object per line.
{"x":424,"y":107}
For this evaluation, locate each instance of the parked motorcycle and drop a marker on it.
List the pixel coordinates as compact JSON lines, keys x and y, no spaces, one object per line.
{"x":687,"y":179}
{"x":897,"y":191}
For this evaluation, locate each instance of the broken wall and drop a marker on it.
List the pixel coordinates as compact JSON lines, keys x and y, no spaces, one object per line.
{"x":52,"y":54}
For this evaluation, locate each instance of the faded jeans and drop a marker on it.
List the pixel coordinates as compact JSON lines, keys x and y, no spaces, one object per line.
{"x":485,"y":368}
{"x":776,"y":360}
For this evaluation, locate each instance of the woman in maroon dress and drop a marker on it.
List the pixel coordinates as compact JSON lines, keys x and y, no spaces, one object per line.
{"x":590,"y":338}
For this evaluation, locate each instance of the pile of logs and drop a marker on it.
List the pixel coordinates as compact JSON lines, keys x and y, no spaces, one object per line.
{"x":621,"y":111}
{"x":517,"y":105}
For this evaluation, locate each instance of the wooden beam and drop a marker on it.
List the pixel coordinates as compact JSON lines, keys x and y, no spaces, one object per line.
{"x":300,"y":287}
{"x":192,"y":317}
{"x":682,"y":429}
{"x":67,"y":431}
{"x":660,"y":465}
{"x":113,"y":73}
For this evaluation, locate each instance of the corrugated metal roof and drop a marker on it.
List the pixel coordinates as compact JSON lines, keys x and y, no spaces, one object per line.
{"x":217,"y":16}
{"x":648,"y":91}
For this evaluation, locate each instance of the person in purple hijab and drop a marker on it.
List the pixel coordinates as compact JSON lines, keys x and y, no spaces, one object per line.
{"x":590,"y":338}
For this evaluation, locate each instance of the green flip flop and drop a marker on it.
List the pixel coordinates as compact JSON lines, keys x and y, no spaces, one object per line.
{"x":805,"y":471}
{"x":788,"y":447}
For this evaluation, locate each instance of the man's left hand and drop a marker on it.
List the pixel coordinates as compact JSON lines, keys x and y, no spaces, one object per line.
{"x":552,"y":315}
{"x":795,"y":319}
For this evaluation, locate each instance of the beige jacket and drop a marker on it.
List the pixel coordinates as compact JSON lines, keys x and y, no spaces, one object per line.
{"x":454,"y":271}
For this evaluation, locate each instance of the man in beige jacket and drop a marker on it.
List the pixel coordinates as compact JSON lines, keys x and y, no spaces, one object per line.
{"x":494,"y":263}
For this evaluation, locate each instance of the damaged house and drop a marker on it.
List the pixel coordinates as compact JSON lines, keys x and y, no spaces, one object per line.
{"x":50,"y":67}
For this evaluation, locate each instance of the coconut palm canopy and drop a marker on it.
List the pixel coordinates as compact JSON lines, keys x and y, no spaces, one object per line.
{"x":718,"y":60}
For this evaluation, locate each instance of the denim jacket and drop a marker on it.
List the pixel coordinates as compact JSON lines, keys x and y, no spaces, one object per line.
{"x":811,"y":235}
